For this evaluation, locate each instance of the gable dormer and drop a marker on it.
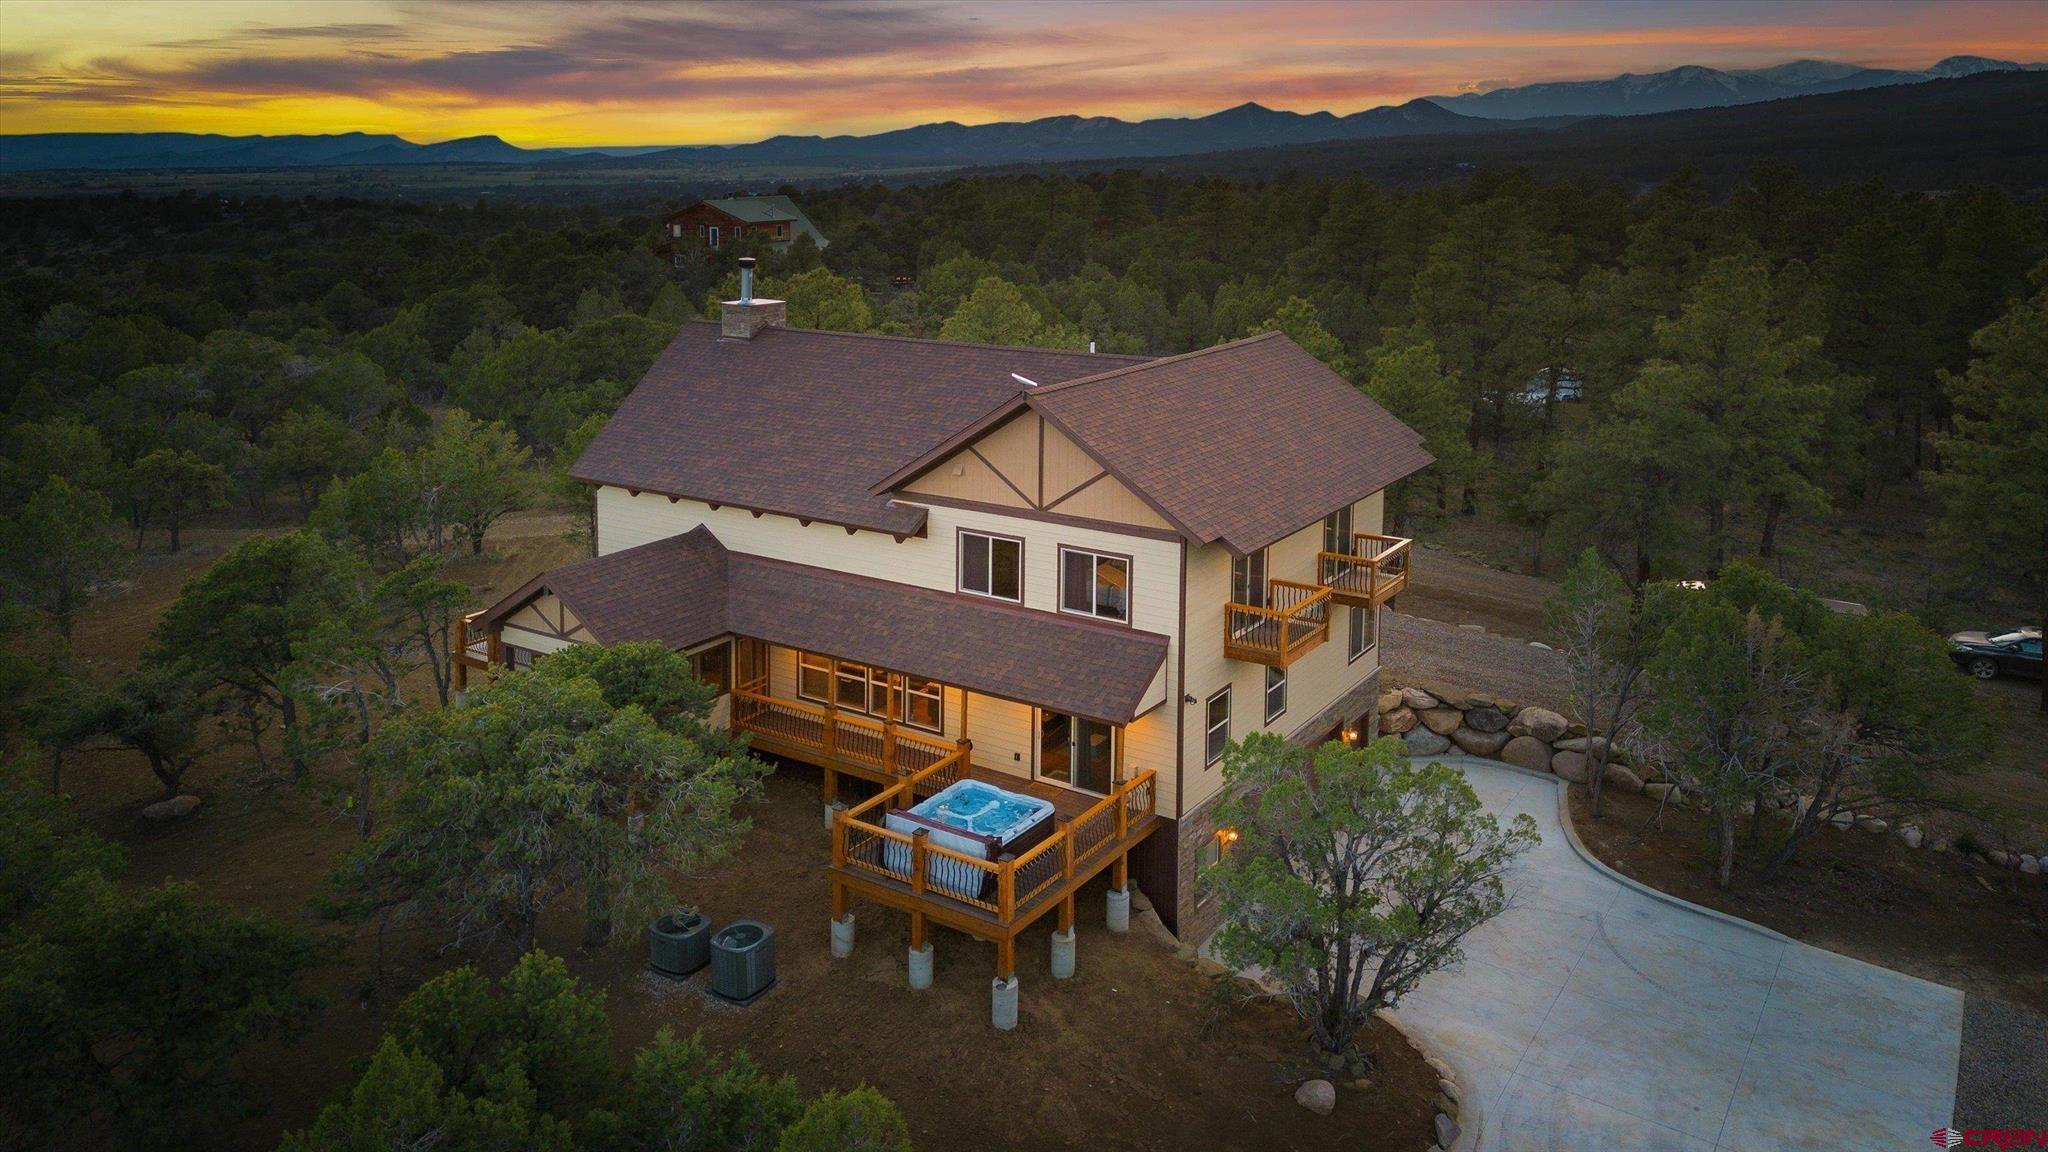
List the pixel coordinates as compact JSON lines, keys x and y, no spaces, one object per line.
{"x":1026,"y":463}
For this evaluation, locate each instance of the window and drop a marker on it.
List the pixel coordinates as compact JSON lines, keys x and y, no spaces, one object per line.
{"x":700,"y":231}
{"x":992,"y":565}
{"x":713,"y":666}
{"x":1337,"y":531}
{"x":871,"y":691}
{"x":1276,"y":693}
{"x":676,"y":230}
{"x":853,"y":682}
{"x":1248,"y":579}
{"x":711,"y":238}
{"x":1365,"y":632}
{"x":738,"y":230}
{"x":1216,"y":720}
{"x":1095,"y":584}
{"x":924,"y":703}
{"x":814,"y":677}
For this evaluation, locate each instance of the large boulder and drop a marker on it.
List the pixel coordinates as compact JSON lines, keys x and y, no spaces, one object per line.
{"x":1570,"y":766}
{"x":1541,"y":723}
{"x":175,"y":808}
{"x":1396,"y":722}
{"x":1442,"y":721}
{"x":1318,"y":1096}
{"x":1423,"y":742}
{"x":1592,"y":746}
{"x":1527,"y":752}
{"x":1388,"y":701}
{"x":1479,"y":743}
{"x":1660,"y":791}
{"x":1618,"y":776}
{"x":1909,"y":835}
{"x":1417,"y":699}
{"x":1486,"y":718}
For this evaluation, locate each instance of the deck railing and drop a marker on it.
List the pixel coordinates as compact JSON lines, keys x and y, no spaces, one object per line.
{"x":1006,"y":888}
{"x":1374,"y":571}
{"x":880,"y":746}
{"x":472,"y":649}
{"x":1295,"y":620}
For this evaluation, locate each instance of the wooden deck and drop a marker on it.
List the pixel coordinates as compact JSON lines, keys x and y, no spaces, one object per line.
{"x":1294,"y":623}
{"x":1373,"y":572}
{"x":992,"y":900}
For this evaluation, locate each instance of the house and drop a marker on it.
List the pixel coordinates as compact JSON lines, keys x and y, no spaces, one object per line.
{"x":923,"y":566}
{"x":710,"y":225}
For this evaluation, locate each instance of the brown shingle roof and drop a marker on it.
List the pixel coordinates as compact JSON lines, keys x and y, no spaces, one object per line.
{"x":801,"y":422}
{"x":687,"y":589}
{"x":1242,"y":443}
{"x":671,"y":591}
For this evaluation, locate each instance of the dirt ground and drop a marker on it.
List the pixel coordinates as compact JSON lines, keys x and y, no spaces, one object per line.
{"x":1931,"y":914}
{"x":1128,"y":1054}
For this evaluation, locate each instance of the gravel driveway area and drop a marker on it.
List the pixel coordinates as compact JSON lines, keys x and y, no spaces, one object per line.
{"x":1436,"y":655}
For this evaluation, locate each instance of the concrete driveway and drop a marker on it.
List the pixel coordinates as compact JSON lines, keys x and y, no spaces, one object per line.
{"x":1599,"y":1015}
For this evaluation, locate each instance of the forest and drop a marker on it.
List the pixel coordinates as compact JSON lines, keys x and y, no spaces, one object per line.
{"x":1808,"y":347}
{"x":1839,"y":383}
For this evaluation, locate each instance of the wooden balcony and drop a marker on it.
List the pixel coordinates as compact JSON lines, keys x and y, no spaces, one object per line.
{"x":1295,"y":622}
{"x":1373,"y":572}
{"x":839,"y":741}
{"x":471,"y":650}
{"x":991,"y":899}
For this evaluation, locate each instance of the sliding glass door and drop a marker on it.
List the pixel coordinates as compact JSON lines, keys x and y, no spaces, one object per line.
{"x":1076,"y":752}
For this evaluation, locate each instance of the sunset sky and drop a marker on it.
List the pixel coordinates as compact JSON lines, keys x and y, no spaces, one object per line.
{"x":622,"y":73}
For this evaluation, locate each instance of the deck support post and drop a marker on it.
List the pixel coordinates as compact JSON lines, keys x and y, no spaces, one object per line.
{"x":1002,"y":1003}
{"x":1063,"y":954}
{"x":842,"y":936}
{"x":1119,"y":908}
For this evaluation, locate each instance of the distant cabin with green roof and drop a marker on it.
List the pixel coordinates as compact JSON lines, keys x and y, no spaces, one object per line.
{"x":701,"y":230}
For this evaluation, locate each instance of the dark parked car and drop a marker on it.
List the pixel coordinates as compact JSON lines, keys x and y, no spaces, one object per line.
{"x":1984,"y":656}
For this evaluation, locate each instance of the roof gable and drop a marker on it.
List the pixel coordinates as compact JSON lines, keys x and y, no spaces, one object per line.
{"x":800,"y":422}
{"x":1023,"y":462}
{"x":1239,"y":444}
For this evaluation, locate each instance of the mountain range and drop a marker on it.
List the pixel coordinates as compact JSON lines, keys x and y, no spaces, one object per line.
{"x":1693,"y":86}
{"x":1047,"y":140}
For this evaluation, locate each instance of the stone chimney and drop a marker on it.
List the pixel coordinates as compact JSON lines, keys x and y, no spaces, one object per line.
{"x":741,"y":318}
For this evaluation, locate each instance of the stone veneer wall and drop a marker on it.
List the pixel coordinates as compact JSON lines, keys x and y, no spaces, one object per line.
{"x":1431,"y":723}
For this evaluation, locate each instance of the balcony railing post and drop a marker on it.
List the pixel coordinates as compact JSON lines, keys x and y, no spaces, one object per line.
{"x":839,"y":837}
{"x":829,"y":732}
{"x":1006,"y":889}
{"x":1067,"y":853}
{"x":919,"y":843}
{"x":1123,"y":819}
{"x":888,"y":746}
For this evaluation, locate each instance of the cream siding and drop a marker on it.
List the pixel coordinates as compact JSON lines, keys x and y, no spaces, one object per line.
{"x":1313,"y":682}
{"x":532,"y":641}
{"x":1008,"y":467}
{"x":1004,"y":732}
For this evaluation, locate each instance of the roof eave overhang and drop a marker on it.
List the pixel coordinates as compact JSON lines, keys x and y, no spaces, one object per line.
{"x":916,"y":528}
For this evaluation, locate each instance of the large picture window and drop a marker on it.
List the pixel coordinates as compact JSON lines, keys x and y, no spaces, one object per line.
{"x":814,"y":677}
{"x":1216,"y":723}
{"x":992,"y":566}
{"x":1095,"y":584}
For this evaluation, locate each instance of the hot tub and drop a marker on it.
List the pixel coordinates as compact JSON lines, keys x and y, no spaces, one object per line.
{"x":971,"y":818}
